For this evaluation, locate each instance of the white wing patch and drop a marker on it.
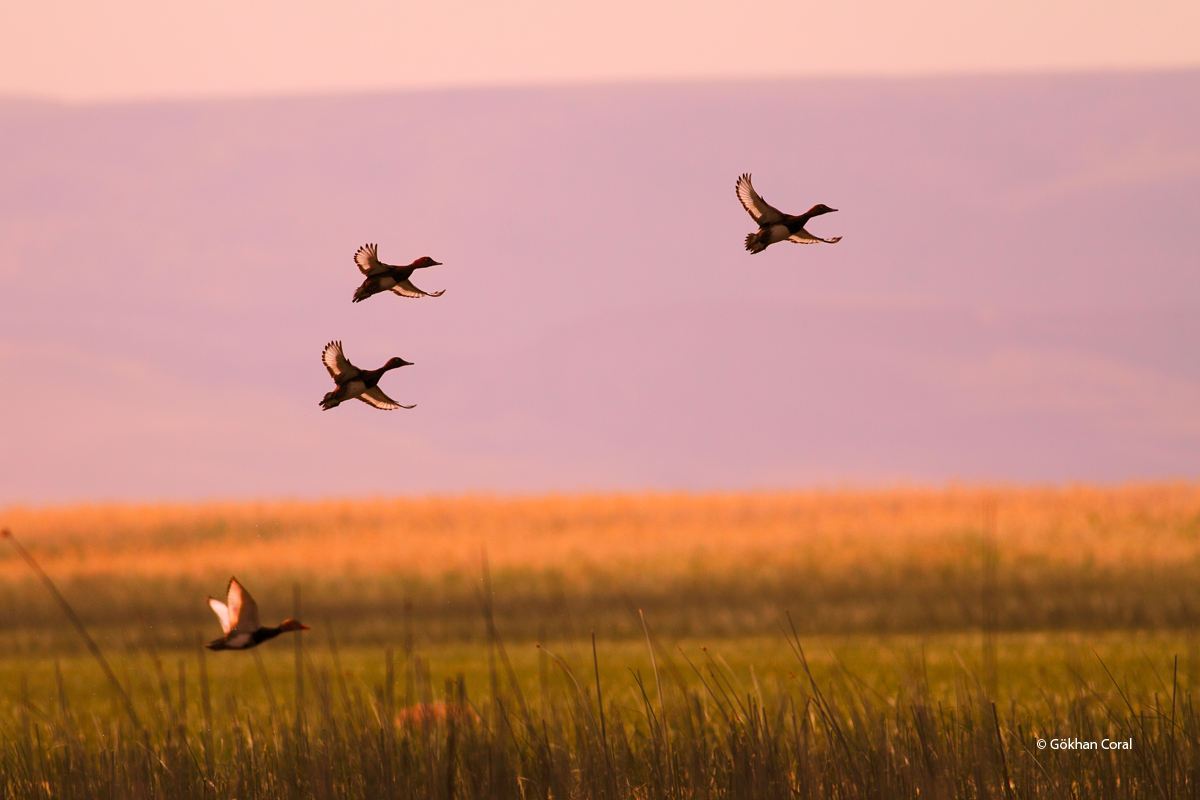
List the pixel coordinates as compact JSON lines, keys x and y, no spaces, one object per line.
{"x":243,"y":611}
{"x":405,"y":288}
{"x":222,"y":612}
{"x":760,"y":210}
{"x":367,"y":259}
{"x":375,"y":397}
{"x":340,"y":368}
{"x":804,"y":237}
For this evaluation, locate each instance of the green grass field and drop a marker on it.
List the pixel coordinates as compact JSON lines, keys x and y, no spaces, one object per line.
{"x":1029,"y":668}
{"x":741,"y":715}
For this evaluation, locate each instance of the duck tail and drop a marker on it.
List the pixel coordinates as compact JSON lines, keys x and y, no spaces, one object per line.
{"x":361,"y":293}
{"x":754,"y":242}
{"x":329,"y":401}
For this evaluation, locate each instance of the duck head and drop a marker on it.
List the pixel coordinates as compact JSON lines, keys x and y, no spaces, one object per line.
{"x":425,"y":261}
{"x":397,"y":362}
{"x":293,"y":625}
{"x":819,"y":209}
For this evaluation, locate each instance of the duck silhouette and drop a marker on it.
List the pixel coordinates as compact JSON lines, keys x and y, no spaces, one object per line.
{"x":352,"y":382}
{"x":239,"y":621}
{"x":382,"y":277}
{"x":775,"y":226}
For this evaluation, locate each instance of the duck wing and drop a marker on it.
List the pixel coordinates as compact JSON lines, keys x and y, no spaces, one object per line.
{"x":243,"y":611}
{"x":367,"y":259}
{"x":222,"y":612}
{"x":405,"y":288}
{"x":804,"y":237}
{"x":762,"y":211}
{"x":375,"y":397}
{"x":340,"y":368}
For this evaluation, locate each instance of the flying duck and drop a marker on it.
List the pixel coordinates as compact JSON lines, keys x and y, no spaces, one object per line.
{"x":239,"y":621}
{"x":353,"y":382}
{"x":381,"y":277}
{"x":775,"y":226}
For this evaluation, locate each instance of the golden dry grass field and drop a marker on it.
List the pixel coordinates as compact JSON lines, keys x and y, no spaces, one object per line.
{"x":841,"y":561}
{"x":665,"y":534}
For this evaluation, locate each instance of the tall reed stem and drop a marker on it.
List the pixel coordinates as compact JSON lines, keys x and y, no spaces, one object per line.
{"x":299,"y":644}
{"x":78,"y":623}
{"x":662,"y":707}
{"x":990,"y":598}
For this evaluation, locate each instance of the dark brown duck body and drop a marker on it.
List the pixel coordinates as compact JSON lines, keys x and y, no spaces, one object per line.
{"x":256,"y":637}
{"x":380,"y":277}
{"x":775,"y":226}
{"x":239,"y":621}
{"x":352,"y":383}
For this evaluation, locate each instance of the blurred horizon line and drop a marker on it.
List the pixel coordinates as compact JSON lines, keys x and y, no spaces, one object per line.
{"x":815,"y":489}
{"x":653,"y":82}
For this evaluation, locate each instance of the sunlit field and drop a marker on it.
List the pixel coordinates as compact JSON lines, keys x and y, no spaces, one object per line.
{"x":834,"y":644}
{"x":841,"y":562}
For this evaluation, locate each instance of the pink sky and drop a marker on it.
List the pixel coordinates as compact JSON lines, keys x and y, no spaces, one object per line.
{"x":583,"y":344}
{"x":1017,"y":296}
{"x":121,"y":49}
